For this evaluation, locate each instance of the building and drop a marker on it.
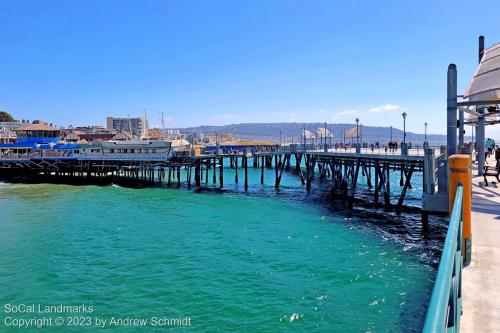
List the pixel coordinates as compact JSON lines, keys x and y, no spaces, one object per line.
{"x":92,"y":129}
{"x":7,"y":135}
{"x":37,"y":132}
{"x":82,"y":137}
{"x":212,"y":138}
{"x":138,"y":127}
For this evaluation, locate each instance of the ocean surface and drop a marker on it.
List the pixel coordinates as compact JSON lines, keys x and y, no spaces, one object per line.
{"x":264,"y":261}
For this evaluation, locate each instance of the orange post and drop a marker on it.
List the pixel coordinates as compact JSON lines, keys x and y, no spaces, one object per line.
{"x":459,"y":172}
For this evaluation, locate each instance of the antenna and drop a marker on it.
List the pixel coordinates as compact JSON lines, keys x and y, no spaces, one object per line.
{"x":162,"y":121}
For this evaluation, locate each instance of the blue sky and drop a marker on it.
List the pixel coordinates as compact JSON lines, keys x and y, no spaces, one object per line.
{"x":220,"y":62}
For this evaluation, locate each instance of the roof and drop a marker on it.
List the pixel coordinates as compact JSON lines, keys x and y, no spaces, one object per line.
{"x":97,"y":136}
{"x":485,"y":84}
{"x":135,"y":144}
{"x":37,"y":127}
{"x":76,"y":132}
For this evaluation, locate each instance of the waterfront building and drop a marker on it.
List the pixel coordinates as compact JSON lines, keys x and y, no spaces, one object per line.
{"x":138,"y":126}
{"x":81,"y":137}
{"x":124,"y":150}
{"x":213,"y":138}
{"x":37,"y":132}
{"x":7,"y":135}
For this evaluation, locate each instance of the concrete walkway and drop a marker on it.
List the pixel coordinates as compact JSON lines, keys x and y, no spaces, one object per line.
{"x":481,"y":279}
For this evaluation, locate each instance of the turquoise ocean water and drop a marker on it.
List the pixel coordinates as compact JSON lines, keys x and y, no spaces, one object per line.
{"x":232,"y":262}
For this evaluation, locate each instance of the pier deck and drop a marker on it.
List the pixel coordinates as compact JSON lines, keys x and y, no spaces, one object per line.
{"x":481,"y":279}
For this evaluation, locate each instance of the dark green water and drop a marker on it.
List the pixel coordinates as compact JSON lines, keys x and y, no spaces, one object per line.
{"x":231,"y":262}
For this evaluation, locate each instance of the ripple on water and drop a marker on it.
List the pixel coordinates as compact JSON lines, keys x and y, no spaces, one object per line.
{"x":240,"y":262}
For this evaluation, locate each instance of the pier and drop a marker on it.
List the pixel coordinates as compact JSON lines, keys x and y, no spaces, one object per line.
{"x":343,"y":169}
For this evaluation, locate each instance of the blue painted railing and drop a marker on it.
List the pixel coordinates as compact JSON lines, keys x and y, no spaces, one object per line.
{"x":445,"y":306}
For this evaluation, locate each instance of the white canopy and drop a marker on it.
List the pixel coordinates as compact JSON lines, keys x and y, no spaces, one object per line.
{"x":485,"y":83}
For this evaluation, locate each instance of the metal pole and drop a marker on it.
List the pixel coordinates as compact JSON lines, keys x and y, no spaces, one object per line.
{"x":451,"y":107}
{"x":480,"y":143}
{"x":481,"y":48}
{"x":472,"y":129}
{"x":461,"y":130}
{"x":326,"y":148}
{"x":425,"y":133}
{"x":357,"y":132}
{"x":304,"y":138}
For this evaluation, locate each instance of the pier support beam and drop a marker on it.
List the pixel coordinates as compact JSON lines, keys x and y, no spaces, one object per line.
{"x":245,"y":162}
{"x":221,"y":172}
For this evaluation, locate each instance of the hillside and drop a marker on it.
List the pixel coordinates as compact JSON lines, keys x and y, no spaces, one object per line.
{"x":271,"y":131}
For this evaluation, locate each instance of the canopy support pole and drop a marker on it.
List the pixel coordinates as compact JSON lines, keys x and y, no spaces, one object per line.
{"x":451,"y":107}
{"x":480,"y":144}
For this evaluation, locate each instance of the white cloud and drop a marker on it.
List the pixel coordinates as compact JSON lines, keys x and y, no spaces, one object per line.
{"x":346,"y":112}
{"x":384,"y":108}
{"x":323,"y":111}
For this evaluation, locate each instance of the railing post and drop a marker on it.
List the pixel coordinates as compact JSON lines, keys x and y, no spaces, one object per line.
{"x":459,"y":172}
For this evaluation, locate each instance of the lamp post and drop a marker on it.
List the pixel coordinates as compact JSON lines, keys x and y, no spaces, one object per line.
{"x":357,"y":130}
{"x":425,"y":133}
{"x":304,"y":137}
{"x":404,"y":127}
{"x":403,"y":149}
{"x":391,"y":133}
{"x":357,"y":136}
{"x":324,"y":135}
{"x":216,"y":144}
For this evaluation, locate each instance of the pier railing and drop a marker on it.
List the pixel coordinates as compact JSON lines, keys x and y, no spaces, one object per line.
{"x":445,"y":306}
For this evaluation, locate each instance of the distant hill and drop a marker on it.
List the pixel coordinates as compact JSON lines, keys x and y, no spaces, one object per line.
{"x":271,"y":131}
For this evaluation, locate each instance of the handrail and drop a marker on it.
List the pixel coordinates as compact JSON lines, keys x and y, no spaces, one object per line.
{"x":445,"y":306}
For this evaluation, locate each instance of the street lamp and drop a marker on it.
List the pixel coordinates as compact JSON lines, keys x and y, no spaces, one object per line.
{"x":304,"y":137}
{"x":425,"y":133}
{"x":404,"y":128}
{"x":216,"y":144}
{"x":357,"y":131}
{"x":325,"y":133}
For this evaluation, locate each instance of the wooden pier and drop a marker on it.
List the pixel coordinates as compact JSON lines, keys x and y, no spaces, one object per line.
{"x":342,"y":169}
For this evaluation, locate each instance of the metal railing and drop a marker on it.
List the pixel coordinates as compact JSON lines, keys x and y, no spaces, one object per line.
{"x":445,"y":306}
{"x":161,"y":156}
